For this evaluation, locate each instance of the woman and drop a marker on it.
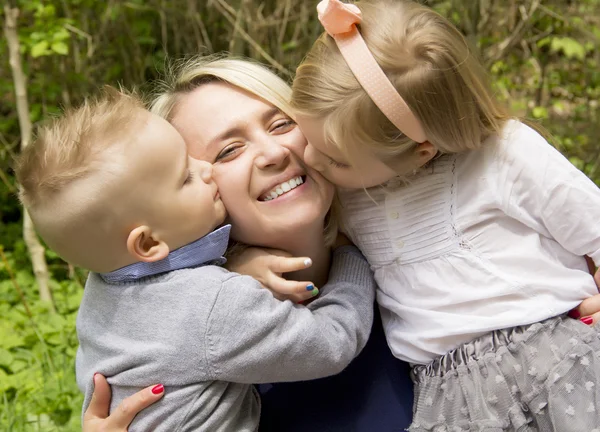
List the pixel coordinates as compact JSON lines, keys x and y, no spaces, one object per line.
{"x":235,"y":114}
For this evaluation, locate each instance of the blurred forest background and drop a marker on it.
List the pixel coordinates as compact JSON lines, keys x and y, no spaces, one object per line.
{"x":543,"y":55}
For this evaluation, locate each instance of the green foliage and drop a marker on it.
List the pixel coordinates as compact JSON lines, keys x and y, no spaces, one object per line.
{"x":544,"y":59}
{"x":37,"y":376}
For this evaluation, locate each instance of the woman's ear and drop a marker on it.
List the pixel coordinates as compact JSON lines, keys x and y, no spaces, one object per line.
{"x":424,"y":152}
{"x":144,"y":247}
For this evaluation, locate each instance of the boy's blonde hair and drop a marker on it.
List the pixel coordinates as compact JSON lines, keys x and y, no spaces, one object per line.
{"x":183,"y":77}
{"x":54,"y":172}
{"x":429,"y":63}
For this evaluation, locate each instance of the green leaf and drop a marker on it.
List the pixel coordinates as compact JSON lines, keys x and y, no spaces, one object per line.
{"x":10,"y":340}
{"x":570,"y":47}
{"x":39,"y":49}
{"x":61,"y":35}
{"x":60,"y":48}
{"x":540,"y":112}
{"x":6,"y":358}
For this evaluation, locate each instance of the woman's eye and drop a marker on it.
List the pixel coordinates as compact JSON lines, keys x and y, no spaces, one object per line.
{"x":284,"y":125}
{"x":228,"y":152}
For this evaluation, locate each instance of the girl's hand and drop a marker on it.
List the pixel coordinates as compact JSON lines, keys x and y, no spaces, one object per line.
{"x":268,"y":265}
{"x":96,"y":418}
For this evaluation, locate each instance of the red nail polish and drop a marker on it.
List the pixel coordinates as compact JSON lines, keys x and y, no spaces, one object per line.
{"x":158,"y":389}
{"x":574,"y":314}
{"x":587,"y":320}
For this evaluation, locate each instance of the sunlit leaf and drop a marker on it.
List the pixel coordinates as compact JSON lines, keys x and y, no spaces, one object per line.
{"x":60,"y":48}
{"x":40,"y":49}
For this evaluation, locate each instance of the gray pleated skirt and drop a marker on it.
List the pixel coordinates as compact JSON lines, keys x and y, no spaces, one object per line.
{"x":541,"y":377}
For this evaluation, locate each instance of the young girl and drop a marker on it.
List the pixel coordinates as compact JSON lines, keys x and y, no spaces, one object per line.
{"x":474,"y":225}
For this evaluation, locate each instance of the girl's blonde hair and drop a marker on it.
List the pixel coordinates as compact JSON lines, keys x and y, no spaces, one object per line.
{"x":184,"y":76}
{"x":429,"y":63}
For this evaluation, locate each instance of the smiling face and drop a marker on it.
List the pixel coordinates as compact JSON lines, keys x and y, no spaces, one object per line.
{"x":267,"y":189}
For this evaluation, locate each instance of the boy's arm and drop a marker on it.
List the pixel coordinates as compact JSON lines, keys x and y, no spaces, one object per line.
{"x":253,"y":338}
{"x":542,"y":189}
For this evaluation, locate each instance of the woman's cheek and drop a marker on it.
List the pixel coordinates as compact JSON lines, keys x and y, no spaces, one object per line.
{"x":295,"y":142}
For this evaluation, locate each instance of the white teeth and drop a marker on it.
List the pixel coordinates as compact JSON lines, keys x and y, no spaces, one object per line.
{"x":282,"y":188}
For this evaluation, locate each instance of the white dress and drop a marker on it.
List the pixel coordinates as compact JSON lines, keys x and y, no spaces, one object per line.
{"x":476,"y":242}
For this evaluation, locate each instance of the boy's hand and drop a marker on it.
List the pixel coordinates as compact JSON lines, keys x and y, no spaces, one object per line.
{"x":268,"y":265}
{"x":96,"y":418}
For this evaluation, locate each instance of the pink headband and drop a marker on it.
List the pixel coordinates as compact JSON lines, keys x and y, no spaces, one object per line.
{"x":339,"y":20}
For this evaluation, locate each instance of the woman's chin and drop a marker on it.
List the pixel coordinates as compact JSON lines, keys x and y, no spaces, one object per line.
{"x":300,"y":222}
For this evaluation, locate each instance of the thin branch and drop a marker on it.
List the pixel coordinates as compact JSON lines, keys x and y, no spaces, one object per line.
{"x":87,"y":36}
{"x":499,"y":50}
{"x":36,"y":250}
{"x":223,"y":7}
{"x":580,"y":29}
{"x":5,"y":180}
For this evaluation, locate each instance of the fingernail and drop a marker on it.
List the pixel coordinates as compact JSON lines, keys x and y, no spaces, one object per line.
{"x":307,"y":262}
{"x":587,"y":320}
{"x":574,"y":314}
{"x":158,"y":389}
{"x":315,"y":292}
{"x":94,"y":378}
{"x":310,"y":287}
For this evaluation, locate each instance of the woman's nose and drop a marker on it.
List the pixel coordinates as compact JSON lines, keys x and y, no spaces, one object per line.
{"x":271,"y":154}
{"x":313,"y":158}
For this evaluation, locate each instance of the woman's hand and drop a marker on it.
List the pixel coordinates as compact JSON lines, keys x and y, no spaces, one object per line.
{"x":96,"y":418}
{"x":268,"y":265}
{"x":588,"y":312}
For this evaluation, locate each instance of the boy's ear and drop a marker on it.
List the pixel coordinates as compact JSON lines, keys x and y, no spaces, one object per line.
{"x":425,"y":151}
{"x":144,"y":247}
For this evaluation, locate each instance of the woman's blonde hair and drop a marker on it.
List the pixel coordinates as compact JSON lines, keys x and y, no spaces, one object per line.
{"x":429,"y":63}
{"x":186,"y":75}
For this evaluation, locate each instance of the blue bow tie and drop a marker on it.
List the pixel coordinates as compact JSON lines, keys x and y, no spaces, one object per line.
{"x":207,"y":250}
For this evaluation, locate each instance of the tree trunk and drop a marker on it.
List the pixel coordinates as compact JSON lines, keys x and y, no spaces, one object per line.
{"x":36,"y":250}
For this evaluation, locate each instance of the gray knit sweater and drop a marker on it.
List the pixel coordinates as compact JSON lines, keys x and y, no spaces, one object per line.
{"x":207,"y":334}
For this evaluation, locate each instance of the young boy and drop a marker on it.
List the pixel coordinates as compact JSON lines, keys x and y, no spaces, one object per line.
{"x":111,"y":188}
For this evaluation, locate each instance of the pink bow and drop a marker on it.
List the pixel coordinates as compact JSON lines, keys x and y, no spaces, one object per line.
{"x":338,"y":17}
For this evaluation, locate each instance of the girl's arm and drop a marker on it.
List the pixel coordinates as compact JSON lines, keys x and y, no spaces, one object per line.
{"x":539,"y":187}
{"x":542,"y":189}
